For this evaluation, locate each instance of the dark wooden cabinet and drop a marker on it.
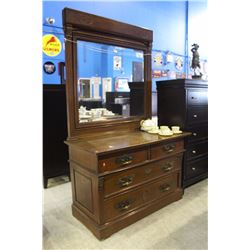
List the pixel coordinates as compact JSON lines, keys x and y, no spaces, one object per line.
{"x":136,"y":98}
{"x":184,"y":102}
{"x":55,"y":152}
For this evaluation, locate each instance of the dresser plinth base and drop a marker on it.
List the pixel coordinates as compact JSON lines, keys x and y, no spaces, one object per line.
{"x":106,"y":230}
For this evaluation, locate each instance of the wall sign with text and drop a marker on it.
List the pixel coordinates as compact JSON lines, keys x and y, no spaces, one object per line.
{"x":51,"y":45}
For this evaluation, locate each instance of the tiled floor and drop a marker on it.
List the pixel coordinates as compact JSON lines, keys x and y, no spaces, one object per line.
{"x":180,"y":225}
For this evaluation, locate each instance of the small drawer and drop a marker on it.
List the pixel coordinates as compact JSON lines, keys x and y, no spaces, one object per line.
{"x":197,"y":115}
{"x":123,"y":203}
{"x":135,"y":176}
{"x":196,"y":168}
{"x":122,"y":159}
{"x":198,"y":133}
{"x":196,"y":150}
{"x":165,"y":149}
{"x":197,"y":97}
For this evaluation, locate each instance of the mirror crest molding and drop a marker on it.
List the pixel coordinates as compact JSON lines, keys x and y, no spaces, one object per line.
{"x":81,"y":26}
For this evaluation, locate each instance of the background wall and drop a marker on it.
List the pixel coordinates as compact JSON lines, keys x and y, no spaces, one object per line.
{"x":174,"y":24}
{"x":198,"y":26}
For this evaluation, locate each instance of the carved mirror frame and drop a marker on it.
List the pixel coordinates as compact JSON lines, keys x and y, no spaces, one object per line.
{"x":87,"y":27}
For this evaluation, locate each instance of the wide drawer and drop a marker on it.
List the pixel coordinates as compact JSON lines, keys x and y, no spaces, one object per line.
{"x":198,"y":133}
{"x":135,"y":176}
{"x":197,"y":115}
{"x":195,"y":168}
{"x":122,"y":159}
{"x":196,"y":150}
{"x":197,"y":97}
{"x":164,"y":149}
{"x":121,"y":204}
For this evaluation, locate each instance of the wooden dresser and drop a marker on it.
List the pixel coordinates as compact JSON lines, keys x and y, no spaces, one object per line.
{"x":119,"y":179}
{"x":184,"y":102}
{"x":119,"y":174}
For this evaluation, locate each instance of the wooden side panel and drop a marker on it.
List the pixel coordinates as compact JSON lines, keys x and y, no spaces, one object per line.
{"x":83,"y":158}
{"x":84,"y":191}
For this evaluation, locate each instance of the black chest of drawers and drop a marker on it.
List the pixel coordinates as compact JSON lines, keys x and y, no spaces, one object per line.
{"x":184,"y":102}
{"x":55,"y":152}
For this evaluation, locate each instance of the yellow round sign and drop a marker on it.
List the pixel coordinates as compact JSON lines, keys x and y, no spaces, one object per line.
{"x":51,"y":45}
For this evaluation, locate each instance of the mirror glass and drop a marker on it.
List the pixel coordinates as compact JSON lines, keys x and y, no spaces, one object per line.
{"x":110,"y":82}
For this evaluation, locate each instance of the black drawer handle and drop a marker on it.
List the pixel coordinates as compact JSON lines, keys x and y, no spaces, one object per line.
{"x":167,"y":167}
{"x":124,"y":160}
{"x":193,"y":97}
{"x":165,"y":187}
{"x":124,"y":205}
{"x":169,"y":148}
{"x":125,"y":181}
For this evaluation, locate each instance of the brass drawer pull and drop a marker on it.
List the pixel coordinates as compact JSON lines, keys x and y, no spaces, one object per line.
{"x":194,"y":134}
{"x":124,"y":205}
{"x":195,"y":116}
{"x":165,"y":187}
{"x":125,"y":181}
{"x":169,"y":148}
{"x":193,"y":168}
{"x":167,"y":167}
{"x":124,"y":160}
{"x":194,"y":151}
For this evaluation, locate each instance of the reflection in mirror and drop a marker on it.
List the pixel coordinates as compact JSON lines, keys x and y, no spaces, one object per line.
{"x":110,"y":82}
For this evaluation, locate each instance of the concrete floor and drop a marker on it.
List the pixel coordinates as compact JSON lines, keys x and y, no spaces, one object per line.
{"x":180,"y":225}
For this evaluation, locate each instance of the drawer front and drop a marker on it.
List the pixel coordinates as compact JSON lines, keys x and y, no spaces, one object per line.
{"x":196,"y":168}
{"x":196,"y":115}
{"x":131,"y":177}
{"x":198,"y":133}
{"x":165,"y":149}
{"x":197,"y":97}
{"x":121,"y":204}
{"x":122,"y":159}
{"x":196,"y":150}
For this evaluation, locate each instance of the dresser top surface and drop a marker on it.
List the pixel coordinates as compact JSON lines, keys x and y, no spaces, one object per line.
{"x":99,"y":144}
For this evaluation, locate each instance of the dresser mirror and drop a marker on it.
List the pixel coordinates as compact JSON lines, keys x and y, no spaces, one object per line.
{"x":108,"y":73}
{"x":103,"y":75}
